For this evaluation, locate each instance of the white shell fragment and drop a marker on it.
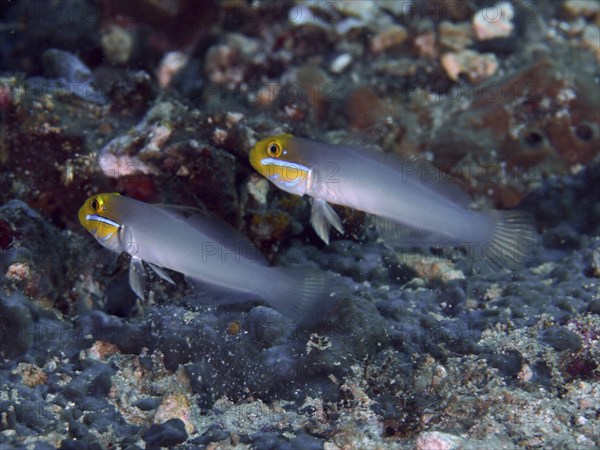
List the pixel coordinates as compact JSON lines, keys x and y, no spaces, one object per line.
{"x":494,"y":21}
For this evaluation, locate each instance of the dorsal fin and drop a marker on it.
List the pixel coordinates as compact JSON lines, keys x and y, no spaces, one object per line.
{"x":423,"y":171}
{"x":217,"y":229}
{"x":363,"y":144}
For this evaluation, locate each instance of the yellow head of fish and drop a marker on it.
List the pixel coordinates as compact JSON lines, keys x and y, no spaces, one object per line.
{"x":98,"y":216}
{"x":280,"y":160}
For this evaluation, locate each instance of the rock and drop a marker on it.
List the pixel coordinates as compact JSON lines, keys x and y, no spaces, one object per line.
{"x":426,"y":45}
{"x":170,"y":66}
{"x":31,"y":375}
{"x":419,"y":344}
{"x":227,"y":63}
{"x":16,"y":325}
{"x":455,"y":37}
{"x":117,"y":44}
{"x":340,"y":63}
{"x":494,"y":22}
{"x":543,"y":143}
{"x":71,"y":76}
{"x":578,"y":8}
{"x":435,"y":440}
{"x":175,"y":406}
{"x":475,"y":66}
{"x":364,"y":108}
{"x":590,"y":38}
{"x":257,"y":188}
{"x":316,"y":86}
{"x":561,"y":339}
{"x":389,"y":38}
{"x":167,"y":434}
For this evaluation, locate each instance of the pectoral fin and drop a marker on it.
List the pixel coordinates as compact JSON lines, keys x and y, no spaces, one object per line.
{"x":137,"y":276}
{"x":161,"y":273}
{"x":322,"y":217}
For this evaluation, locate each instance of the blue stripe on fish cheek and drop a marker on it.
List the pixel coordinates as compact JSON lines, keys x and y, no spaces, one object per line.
{"x":106,"y":238}
{"x":279,"y":163}
{"x":101,"y":219}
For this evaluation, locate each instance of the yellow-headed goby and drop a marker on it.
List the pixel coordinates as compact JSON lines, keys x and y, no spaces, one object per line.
{"x":205,"y":249}
{"x":406,"y":206}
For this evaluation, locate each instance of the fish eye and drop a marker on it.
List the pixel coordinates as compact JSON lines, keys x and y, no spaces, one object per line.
{"x":95,"y":205}
{"x":274,"y":149}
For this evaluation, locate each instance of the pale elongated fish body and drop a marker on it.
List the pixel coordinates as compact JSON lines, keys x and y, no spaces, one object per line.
{"x":408,"y":198}
{"x":205,"y":249}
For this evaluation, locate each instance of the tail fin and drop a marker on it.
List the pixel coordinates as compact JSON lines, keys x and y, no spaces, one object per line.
{"x":511,"y":241}
{"x":303,"y":295}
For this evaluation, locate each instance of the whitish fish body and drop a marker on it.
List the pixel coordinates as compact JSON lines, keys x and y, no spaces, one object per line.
{"x":203,"y":248}
{"x":409,"y":199}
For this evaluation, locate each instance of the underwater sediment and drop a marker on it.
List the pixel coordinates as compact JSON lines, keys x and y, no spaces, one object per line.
{"x":162,"y":101}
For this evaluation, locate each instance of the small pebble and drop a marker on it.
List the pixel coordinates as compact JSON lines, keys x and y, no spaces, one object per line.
{"x":258,"y":188}
{"x":494,"y":22}
{"x":219,"y":136}
{"x":435,"y":440}
{"x":455,"y":36}
{"x":169,"y":66}
{"x":340,"y":63}
{"x":475,"y":66}
{"x":18,"y":272}
{"x":578,"y":8}
{"x":389,"y":38}
{"x":425,"y":44}
{"x":117,"y":44}
{"x":590,"y":38}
